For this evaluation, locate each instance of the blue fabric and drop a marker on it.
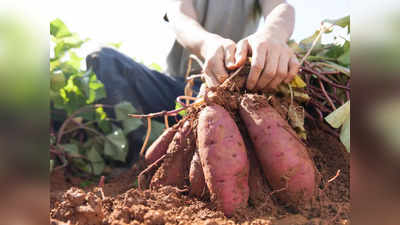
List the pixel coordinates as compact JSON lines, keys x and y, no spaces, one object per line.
{"x":126,"y":80}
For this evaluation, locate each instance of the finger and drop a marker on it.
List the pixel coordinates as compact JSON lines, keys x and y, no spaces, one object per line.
{"x":242,"y":49}
{"x":257,"y":66}
{"x":230,"y":56}
{"x":209,"y":76}
{"x":294,"y":67}
{"x":269,"y":71}
{"x":210,"y":80}
{"x":282,"y":71}
{"x":219,"y":71}
{"x":202,"y":90}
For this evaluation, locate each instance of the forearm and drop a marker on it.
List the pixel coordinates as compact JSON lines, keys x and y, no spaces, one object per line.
{"x":280,"y":21}
{"x":189,"y":33}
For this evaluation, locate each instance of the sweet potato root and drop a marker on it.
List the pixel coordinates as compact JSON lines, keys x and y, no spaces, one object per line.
{"x":196,"y":177}
{"x":283,"y":157}
{"x":224,"y":159}
{"x":175,"y":166}
{"x":159,"y":146}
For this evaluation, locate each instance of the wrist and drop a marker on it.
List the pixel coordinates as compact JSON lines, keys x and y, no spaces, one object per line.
{"x":271,"y":31}
{"x":208,"y":38}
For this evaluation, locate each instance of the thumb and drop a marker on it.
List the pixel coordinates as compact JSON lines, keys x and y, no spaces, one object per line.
{"x":211,"y":81}
{"x":230,"y":56}
{"x":242,"y":49}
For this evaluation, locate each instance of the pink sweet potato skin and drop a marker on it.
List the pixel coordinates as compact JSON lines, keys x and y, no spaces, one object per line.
{"x":196,"y":177}
{"x":159,"y":146}
{"x":224,"y":159}
{"x":283,"y":157}
{"x":175,"y":167}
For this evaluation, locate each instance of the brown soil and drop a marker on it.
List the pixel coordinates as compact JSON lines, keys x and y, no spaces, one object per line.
{"x":121,"y":202}
{"x":125,"y":204}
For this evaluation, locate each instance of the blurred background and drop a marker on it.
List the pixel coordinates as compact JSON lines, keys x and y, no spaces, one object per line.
{"x":375,"y":113}
{"x":123,"y":22}
{"x":24,"y":88}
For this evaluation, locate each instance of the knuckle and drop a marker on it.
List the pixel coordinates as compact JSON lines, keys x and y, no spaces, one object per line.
{"x":207,"y":70}
{"x":209,"y":64}
{"x":291,"y":77}
{"x":274,"y":45}
{"x":270,"y":72}
{"x":262,"y":45}
{"x":257,"y":68}
{"x":228,"y":43}
{"x":251,"y":79}
{"x":282,"y":74}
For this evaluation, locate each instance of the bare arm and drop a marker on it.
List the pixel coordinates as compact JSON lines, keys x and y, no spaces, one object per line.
{"x":189,"y":33}
{"x":273,"y":61}
{"x":279,"y":19}
{"x":217,"y":52}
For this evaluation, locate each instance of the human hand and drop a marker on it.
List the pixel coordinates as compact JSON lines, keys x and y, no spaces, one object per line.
{"x":219,"y":55}
{"x":273,"y":61}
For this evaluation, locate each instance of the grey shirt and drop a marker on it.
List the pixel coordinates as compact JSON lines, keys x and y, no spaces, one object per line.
{"x":233,"y":19}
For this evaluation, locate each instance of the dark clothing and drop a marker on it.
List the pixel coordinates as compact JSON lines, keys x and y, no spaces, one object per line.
{"x":126,"y":80}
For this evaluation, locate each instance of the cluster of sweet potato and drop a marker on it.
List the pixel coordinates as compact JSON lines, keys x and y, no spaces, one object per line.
{"x":206,"y":153}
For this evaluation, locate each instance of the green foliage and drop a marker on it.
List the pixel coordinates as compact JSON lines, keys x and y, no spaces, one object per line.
{"x":116,"y":146}
{"x":178,"y":106}
{"x":335,"y":57}
{"x":155,"y":66}
{"x":157,"y":129}
{"x":334,"y":52}
{"x":342,"y":22}
{"x":71,"y":90}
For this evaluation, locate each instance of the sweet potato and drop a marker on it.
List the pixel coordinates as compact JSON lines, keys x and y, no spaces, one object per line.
{"x":159,"y":146}
{"x":175,"y":167}
{"x":283,"y":157}
{"x":224,"y":159}
{"x":196,"y":176}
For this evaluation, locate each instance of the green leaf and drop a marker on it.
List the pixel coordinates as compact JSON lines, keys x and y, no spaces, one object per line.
{"x":101,"y":115}
{"x":306,"y":43}
{"x":339,"y":116}
{"x":105,"y":126}
{"x":342,"y":22}
{"x":345,"y":134}
{"x":122,"y":110}
{"x":334,"y":51}
{"x":56,"y":99}
{"x":51,"y":165}
{"x":71,"y":149}
{"x":178,"y":106}
{"x":54,"y":65}
{"x":345,"y":58}
{"x":66,"y":43}
{"x":156,"y":67}
{"x":93,"y":88}
{"x":85,"y":183}
{"x":131,"y":124}
{"x":116,"y":45}
{"x":74,"y":60}
{"x":59,"y":29}
{"x":96,"y":160}
{"x":116,"y":145}
{"x":337,"y":67}
{"x":57,"y":81}
{"x":66,"y":68}
{"x":157,"y":129}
